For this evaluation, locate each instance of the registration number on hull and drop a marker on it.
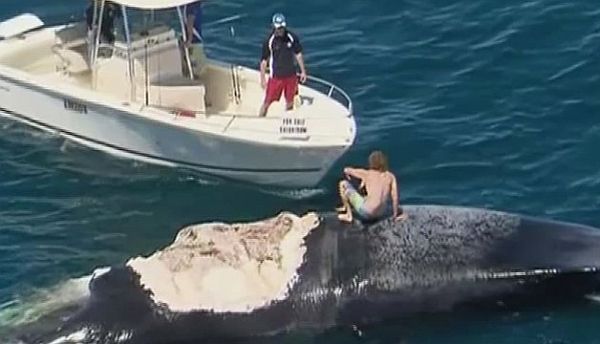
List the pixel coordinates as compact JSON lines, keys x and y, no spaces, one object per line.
{"x":74,"y":106}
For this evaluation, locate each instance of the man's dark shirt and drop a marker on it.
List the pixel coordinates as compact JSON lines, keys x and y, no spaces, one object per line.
{"x":111,"y":12}
{"x":279,"y":52}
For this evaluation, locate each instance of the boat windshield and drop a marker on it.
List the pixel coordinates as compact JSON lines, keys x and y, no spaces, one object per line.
{"x":141,"y":21}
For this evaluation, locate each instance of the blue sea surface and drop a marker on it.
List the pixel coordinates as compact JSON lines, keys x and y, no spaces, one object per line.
{"x":491,"y":104}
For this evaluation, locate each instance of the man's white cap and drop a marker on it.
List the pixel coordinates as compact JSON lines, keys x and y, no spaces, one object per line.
{"x":278,"y":20}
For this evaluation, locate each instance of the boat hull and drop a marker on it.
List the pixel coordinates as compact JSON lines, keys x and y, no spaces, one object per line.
{"x":121,"y":131}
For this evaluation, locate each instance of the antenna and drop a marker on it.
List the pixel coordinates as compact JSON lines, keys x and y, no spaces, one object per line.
{"x":146,"y":67}
{"x":237,"y":96}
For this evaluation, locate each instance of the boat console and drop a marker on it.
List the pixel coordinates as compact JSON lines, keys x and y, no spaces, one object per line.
{"x":157,"y":65}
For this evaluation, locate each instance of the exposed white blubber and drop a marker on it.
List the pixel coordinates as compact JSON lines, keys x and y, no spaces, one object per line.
{"x":227,"y":268}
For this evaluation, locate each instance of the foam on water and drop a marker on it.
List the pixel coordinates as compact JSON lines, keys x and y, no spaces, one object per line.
{"x":595,"y":298}
{"x":75,"y":337}
{"x":28,"y":309}
{"x":82,"y":335}
{"x":295,"y":194}
{"x":200,"y":179}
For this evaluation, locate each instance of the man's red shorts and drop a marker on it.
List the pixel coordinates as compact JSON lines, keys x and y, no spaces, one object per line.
{"x":276,"y":86}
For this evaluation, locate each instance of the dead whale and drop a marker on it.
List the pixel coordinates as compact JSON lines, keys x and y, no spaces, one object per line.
{"x":226,"y":281}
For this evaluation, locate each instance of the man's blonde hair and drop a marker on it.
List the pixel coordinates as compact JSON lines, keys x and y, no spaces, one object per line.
{"x":378,"y":161}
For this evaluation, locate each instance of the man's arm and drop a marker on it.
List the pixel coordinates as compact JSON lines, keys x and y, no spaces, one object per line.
{"x":263,"y":72}
{"x":299,"y":58}
{"x":89,"y":16}
{"x":394,"y":192}
{"x":189,"y":29}
{"x":263,"y":64}
{"x":355,"y":172}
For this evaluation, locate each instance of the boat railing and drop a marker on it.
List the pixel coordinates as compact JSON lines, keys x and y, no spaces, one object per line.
{"x":331,"y":90}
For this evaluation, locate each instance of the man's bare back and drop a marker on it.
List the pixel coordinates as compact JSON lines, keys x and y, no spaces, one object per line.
{"x":379,"y":186}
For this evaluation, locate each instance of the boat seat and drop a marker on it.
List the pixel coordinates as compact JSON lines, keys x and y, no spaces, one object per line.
{"x":71,"y":48}
{"x":177,"y":93}
{"x":183,"y":97}
{"x":72,"y":36}
{"x":73,"y":62}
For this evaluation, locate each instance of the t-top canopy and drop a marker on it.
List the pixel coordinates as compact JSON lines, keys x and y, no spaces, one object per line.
{"x":152,"y":4}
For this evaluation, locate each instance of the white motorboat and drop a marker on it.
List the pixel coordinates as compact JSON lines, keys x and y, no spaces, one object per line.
{"x":136,"y":98}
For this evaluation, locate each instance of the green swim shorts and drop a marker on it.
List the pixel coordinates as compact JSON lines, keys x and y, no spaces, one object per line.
{"x":357,"y":201}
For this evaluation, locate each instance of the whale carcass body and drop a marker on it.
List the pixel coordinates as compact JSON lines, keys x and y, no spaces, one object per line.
{"x":218,"y":281}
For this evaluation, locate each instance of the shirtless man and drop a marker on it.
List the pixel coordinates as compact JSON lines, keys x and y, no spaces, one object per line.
{"x":379,"y":183}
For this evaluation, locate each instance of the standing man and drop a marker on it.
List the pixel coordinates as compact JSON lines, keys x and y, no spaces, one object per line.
{"x":280,"y":52}
{"x":194,"y":39}
{"x":107,"y":31}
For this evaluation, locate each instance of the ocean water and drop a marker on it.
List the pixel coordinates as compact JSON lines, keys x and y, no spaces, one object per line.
{"x":492,"y":104}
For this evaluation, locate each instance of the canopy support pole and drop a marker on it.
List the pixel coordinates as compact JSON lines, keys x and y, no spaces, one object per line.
{"x":129,"y":58}
{"x":188,"y":60}
{"x":97,"y":40}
